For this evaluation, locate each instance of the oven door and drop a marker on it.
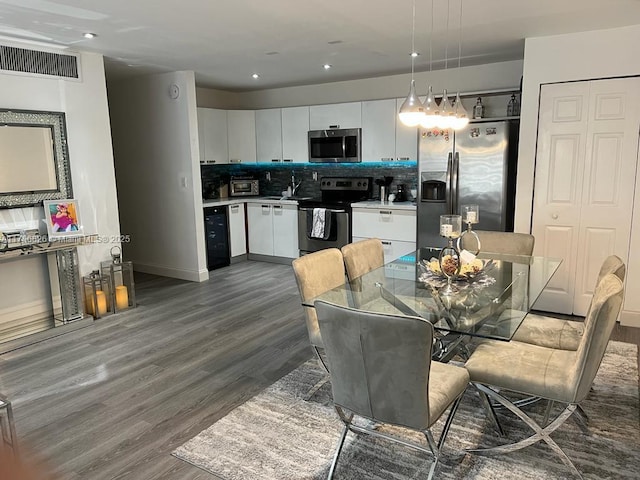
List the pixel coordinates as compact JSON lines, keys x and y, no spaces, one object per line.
{"x":339,"y":233}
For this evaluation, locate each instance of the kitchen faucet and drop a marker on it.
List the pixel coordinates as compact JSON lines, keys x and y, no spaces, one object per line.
{"x":294,"y":186}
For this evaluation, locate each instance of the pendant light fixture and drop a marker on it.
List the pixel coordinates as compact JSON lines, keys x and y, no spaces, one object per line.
{"x":412,"y":110}
{"x":461,"y":116}
{"x":447,"y":115}
{"x":431,"y":111}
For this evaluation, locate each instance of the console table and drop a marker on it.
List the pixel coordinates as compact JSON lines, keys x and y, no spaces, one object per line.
{"x":64,"y":274}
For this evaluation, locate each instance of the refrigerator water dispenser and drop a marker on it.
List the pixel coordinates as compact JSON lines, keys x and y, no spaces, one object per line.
{"x":433,"y":191}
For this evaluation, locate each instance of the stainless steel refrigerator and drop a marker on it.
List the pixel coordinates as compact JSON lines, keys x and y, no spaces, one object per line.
{"x":476,"y":165}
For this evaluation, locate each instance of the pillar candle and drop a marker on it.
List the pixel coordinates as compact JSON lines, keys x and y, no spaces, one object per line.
{"x":101,"y":299}
{"x":122,"y":297}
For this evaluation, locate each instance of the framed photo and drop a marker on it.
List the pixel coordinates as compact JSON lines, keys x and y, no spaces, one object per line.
{"x":62,"y":218}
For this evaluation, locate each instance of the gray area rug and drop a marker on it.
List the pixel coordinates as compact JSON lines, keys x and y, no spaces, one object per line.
{"x":278,"y":436}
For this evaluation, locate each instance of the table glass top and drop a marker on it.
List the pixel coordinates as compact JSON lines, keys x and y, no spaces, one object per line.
{"x":491,"y":305}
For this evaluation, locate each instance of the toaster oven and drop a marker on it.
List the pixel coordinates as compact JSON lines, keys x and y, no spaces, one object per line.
{"x":244,"y":186}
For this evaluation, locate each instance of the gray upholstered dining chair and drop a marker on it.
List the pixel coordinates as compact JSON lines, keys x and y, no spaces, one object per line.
{"x":508,"y":243}
{"x":382,"y":371}
{"x":558,"y":333}
{"x":315,"y":274}
{"x":563,"y":376}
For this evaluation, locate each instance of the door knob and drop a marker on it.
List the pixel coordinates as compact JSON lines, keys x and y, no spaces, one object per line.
{"x":554,"y":216}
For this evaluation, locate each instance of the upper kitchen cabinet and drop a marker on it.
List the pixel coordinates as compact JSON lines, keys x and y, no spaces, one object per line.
{"x":269,"y":135}
{"x":241,"y":135}
{"x":295,"y":126}
{"x":212,"y":133}
{"x":379,"y":130}
{"x":338,"y":115}
{"x":406,"y":138}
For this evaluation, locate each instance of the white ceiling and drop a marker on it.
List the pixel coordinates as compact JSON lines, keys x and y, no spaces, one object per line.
{"x":288,"y":41}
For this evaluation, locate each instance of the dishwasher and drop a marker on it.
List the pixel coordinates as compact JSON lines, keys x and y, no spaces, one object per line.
{"x":217,"y":236}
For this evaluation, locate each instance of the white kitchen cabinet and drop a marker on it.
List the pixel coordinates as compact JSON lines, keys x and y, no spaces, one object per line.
{"x":237,"y":231}
{"x":212,"y":136}
{"x":337,"y":115}
{"x":285,"y":231}
{"x":396,"y":228}
{"x":269,"y":135}
{"x":379,"y":130}
{"x":260,"y":226}
{"x":241,"y":136}
{"x":406,"y":138}
{"x":273,"y":229}
{"x":295,"y":126}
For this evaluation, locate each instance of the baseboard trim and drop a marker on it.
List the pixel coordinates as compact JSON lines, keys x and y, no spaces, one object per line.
{"x":270,"y":259}
{"x":163,"y":271}
{"x":630,"y":319}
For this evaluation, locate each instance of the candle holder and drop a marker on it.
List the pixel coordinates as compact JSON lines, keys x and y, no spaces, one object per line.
{"x":449,"y":259}
{"x":470,"y":216}
{"x":120,"y":276}
{"x":97,"y":294}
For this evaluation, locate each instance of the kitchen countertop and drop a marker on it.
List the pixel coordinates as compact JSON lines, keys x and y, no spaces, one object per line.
{"x":218,"y":202}
{"x":375,"y":204}
{"x":372,"y":204}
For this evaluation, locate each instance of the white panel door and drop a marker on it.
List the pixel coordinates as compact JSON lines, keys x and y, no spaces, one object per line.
{"x":585,"y":175}
{"x":379,"y":130}
{"x":269,"y":135}
{"x":295,"y":129}
{"x":609,"y":181}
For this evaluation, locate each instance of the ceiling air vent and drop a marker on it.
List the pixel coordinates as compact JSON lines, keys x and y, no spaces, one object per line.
{"x":41,"y":63}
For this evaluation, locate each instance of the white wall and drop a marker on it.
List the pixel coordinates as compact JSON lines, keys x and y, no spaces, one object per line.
{"x":91,"y":160}
{"x":503,"y":75}
{"x":562,"y":58}
{"x":155,"y":142}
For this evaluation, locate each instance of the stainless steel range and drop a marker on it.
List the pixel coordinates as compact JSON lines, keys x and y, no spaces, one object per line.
{"x":337,"y":195}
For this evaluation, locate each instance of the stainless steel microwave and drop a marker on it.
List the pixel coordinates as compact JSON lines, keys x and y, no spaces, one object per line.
{"x":243,"y":187}
{"x":335,"y":145}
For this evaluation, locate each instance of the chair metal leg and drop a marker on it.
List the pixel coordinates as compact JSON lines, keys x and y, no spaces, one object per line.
{"x":491,"y":412}
{"x":540,"y":433}
{"x":337,"y":454}
{"x":8,"y":426}
{"x":326,"y":377}
{"x":435,"y":448}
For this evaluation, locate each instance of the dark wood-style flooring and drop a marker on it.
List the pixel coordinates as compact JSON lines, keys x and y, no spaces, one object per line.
{"x":112,"y":400}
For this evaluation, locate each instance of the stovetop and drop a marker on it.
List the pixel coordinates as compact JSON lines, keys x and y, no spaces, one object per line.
{"x":340,"y":192}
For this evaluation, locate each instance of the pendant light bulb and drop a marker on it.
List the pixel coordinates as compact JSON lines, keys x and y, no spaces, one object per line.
{"x":431,"y":118}
{"x":412,"y":111}
{"x":446,"y":112}
{"x":461,"y":116}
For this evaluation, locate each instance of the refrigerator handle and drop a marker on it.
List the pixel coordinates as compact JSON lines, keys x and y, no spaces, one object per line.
{"x":449,"y":185}
{"x":454,"y":184}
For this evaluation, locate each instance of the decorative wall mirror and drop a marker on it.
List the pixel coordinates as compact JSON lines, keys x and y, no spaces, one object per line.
{"x":34,"y":158}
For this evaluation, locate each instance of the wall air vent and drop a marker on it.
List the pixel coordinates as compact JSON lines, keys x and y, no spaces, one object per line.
{"x":15,"y":59}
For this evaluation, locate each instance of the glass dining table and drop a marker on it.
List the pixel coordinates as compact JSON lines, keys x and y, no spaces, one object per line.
{"x":491,"y":304}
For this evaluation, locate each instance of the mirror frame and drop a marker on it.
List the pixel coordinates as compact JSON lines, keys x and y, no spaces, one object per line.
{"x":57,"y":123}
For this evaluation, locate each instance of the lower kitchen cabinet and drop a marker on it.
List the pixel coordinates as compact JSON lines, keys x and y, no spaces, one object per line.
{"x":396,"y":228}
{"x":273,"y":229}
{"x":237,"y":231}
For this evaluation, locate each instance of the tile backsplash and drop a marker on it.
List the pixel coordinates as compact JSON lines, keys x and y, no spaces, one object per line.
{"x":274,"y":179}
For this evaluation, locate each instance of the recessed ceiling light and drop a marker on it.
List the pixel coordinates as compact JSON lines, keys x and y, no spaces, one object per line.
{"x":326,"y":66}
{"x":255,"y":75}
{"x":414,"y":54}
{"x":89,"y":35}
